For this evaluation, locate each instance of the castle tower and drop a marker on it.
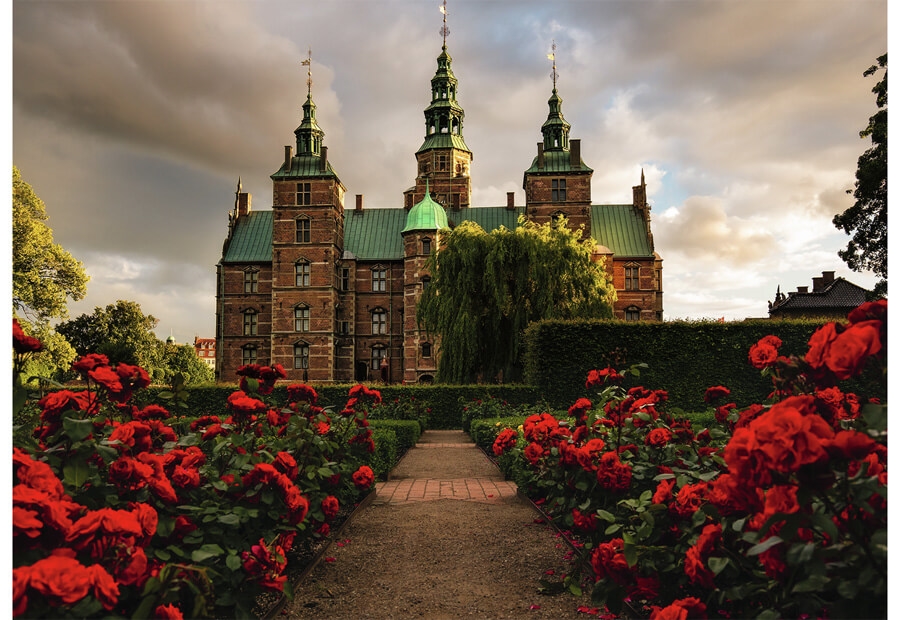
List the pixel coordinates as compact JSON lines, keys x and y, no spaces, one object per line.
{"x":307,"y":247}
{"x":443,"y":159}
{"x":420,"y":239}
{"x":558,"y":182}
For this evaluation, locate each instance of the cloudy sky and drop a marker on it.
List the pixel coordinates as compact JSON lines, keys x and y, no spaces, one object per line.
{"x":134,"y":120}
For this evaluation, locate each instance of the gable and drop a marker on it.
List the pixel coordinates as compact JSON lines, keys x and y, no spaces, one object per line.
{"x":621,"y":229}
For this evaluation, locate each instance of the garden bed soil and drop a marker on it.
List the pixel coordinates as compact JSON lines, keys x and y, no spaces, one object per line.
{"x":444,"y":558}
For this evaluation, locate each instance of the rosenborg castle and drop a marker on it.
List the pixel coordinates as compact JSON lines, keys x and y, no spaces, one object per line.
{"x":328,"y":290}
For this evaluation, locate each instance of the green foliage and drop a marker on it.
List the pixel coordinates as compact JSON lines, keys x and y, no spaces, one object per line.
{"x":182,"y":359}
{"x":866,"y":220}
{"x":44,"y":275}
{"x":121,"y":331}
{"x":386,"y":451}
{"x":407,"y":432}
{"x":53,"y":360}
{"x":686,"y":357}
{"x":487,"y":287}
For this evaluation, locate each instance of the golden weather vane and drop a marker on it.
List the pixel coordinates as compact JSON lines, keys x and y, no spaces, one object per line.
{"x":552,"y":56}
{"x":308,"y":64}
{"x":444,"y":30}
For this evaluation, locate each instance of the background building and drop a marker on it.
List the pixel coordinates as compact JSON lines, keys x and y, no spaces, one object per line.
{"x":206,"y":350}
{"x":329,"y":293}
{"x":830,"y":298}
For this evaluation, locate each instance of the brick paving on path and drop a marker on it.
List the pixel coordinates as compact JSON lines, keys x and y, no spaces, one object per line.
{"x":411,"y":482}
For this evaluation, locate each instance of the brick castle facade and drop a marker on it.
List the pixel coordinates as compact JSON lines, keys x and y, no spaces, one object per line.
{"x":328,"y":293}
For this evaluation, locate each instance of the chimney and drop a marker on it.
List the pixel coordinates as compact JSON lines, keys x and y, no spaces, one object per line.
{"x":827,"y":277}
{"x":359,"y":203}
{"x":817,"y":285}
{"x":540,"y":162}
{"x":243,"y":204}
{"x":323,"y":160}
{"x":803,"y":289}
{"x":287,"y":158}
{"x":575,"y":153}
{"x":510,"y":201}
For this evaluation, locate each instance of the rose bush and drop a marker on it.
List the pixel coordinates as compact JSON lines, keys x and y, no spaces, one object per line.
{"x":133,"y":512}
{"x":775,"y":510}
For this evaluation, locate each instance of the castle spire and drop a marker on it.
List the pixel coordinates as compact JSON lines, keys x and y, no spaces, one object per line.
{"x":309,"y":134}
{"x":555,"y":128}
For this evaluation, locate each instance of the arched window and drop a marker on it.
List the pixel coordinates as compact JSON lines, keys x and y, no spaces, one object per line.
{"x":250,"y":322}
{"x":426,"y":349}
{"x":301,"y":318}
{"x":301,"y":355}
{"x":301,"y":273}
{"x":379,"y":321}
{"x":426,"y":282}
{"x":248,"y":355}
{"x":303,"y":229}
{"x":632,"y":313}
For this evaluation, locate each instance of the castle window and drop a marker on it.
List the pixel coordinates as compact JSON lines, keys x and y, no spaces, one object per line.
{"x":632,"y":278}
{"x":301,"y":355}
{"x":442,"y":162}
{"x":248,"y":355}
{"x":379,"y":321}
{"x":250,"y":323}
{"x":344,"y":327}
{"x":379,"y":352}
{"x":345,"y":279}
{"x":304,"y":195}
{"x":558,"y":190}
{"x":632,"y":313}
{"x":301,"y":273}
{"x":426,"y":246}
{"x":379,"y":279}
{"x":426,"y":349}
{"x":426,"y":282}
{"x":251,"y":281}
{"x":303,"y":228}
{"x":301,"y":319}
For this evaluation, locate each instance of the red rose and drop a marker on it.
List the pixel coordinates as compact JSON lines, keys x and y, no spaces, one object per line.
{"x":871,"y":310}
{"x":852,"y":445}
{"x":584,"y":522}
{"x":363,"y":477}
{"x":534,"y":452}
{"x":60,"y":579}
{"x":851,"y":349}
{"x":597,"y":377}
{"x":658,"y":437}
{"x":506,"y":440}
{"x":301,"y":392}
{"x":682,"y":609}
{"x":90,"y":362}
{"x":608,"y":560}
{"x":613,"y":474}
{"x":23,"y":343}
{"x":713,"y":393}
{"x":167,"y":612}
{"x":185,"y":477}
{"x":286,"y":464}
{"x":791,"y":435}
{"x":689,"y":500}
{"x":129,"y":474}
{"x":696,"y":570}
{"x":762,"y":354}
{"x":663,"y":491}
{"x":590,"y":453}
{"x":819,"y":344}
{"x":579,"y":409}
{"x":330,"y":506}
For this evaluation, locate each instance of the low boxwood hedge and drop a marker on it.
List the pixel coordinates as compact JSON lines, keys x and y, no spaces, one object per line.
{"x":407,"y":432}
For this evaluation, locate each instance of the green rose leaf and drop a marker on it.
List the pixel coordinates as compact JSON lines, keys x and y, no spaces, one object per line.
{"x":77,"y":430}
{"x":209,"y":550}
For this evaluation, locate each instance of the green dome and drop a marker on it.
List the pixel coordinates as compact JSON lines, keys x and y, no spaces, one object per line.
{"x":426,"y":215}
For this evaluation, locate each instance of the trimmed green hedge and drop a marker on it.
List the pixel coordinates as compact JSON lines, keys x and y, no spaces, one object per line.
{"x":407,"y":432}
{"x":683,"y":358}
{"x":386,"y":452}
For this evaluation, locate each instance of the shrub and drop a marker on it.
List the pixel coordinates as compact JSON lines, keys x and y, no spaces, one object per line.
{"x":386,"y":451}
{"x":407,"y":432}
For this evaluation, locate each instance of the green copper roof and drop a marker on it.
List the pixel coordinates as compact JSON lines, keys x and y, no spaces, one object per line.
{"x":621,"y":229}
{"x":444,"y":141}
{"x":374,"y":234}
{"x":426,"y":215}
{"x":489,"y":218}
{"x":556,"y":161}
{"x":251,"y":241}
{"x":305,"y":166}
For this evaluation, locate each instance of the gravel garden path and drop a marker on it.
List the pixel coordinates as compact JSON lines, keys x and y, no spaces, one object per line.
{"x":445,"y":537}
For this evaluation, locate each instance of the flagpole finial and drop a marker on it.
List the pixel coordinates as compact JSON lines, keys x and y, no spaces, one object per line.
{"x":552,"y":56}
{"x":444,"y":30}
{"x":308,"y":64}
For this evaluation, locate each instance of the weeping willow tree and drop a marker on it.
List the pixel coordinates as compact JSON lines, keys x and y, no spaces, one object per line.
{"x":487,"y":287}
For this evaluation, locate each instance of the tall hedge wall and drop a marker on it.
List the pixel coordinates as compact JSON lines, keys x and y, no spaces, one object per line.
{"x":684,"y":357}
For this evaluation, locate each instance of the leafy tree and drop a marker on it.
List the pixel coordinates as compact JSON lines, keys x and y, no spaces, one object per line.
{"x":44,"y":274}
{"x":487,"y":287}
{"x":182,"y":358}
{"x":54,"y":359}
{"x":866,"y":220}
{"x":121,"y":331}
